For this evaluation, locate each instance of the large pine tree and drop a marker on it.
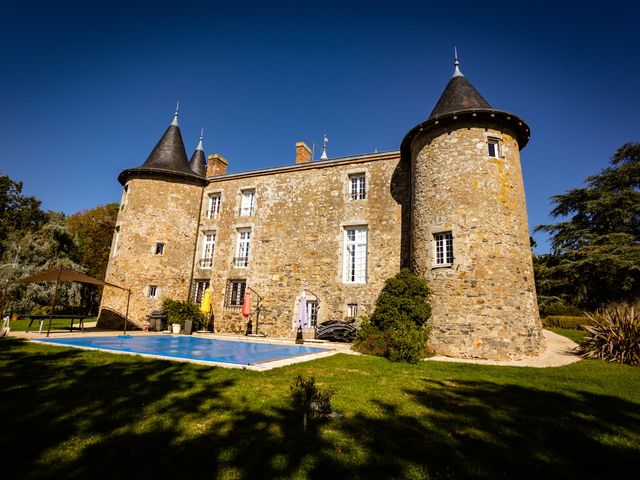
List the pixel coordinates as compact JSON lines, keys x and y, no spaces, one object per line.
{"x":595,"y":256}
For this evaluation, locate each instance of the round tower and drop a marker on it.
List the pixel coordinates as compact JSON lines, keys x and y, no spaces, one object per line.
{"x":469,"y":230}
{"x":153,"y":246}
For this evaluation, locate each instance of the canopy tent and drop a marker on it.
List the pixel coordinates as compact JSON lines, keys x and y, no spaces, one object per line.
{"x":65,"y":275}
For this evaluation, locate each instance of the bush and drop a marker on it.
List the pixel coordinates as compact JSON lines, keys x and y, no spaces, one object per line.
{"x":309,"y":399}
{"x":614,"y":335}
{"x":565,"y":321}
{"x":178,"y":311}
{"x":560,"y":309}
{"x":397,"y":328}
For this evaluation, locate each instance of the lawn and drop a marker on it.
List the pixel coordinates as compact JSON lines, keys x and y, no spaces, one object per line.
{"x":68,"y":413}
{"x":56,"y":324}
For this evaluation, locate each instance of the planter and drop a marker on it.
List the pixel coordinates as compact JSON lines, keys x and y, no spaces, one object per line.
{"x":188,"y":326}
{"x":175,"y":327}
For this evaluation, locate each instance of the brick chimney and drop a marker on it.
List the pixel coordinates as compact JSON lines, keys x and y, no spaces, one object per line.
{"x":217,"y":165}
{"x":303,"y":153}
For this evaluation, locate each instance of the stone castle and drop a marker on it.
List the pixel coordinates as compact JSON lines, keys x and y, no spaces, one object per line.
{"x":449,"y":204}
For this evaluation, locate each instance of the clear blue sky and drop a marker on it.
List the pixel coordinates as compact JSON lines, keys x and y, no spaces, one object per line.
{"x":89,"y":87}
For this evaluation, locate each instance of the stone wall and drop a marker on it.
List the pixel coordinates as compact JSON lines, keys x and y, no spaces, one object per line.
{"x":298,"y":239}
{"x":152,"y":210}
{"x":484,"y":305}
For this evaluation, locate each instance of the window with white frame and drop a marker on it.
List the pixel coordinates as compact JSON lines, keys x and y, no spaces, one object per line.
{"x":208,"y":245}
{"x":153,"y":291}
{"x":116,"y":241}
{"x":235,"y":292}
{"x":213,"y":210}
{"x":241,"y":259}
{"x":198,"y":291}
{"x":159,"y":248}
{"x":357,"y":186}
{"x":352,"y":310}
{"x":355,"y":255}
{"x":247,"y":204}
{"x":444,"y":249}
{"x":312,"y":312}
{"x":493,"y":145}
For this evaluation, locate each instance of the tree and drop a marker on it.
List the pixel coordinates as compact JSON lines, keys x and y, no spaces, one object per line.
{"x":92,"y":230}
{"x":595,"y":257}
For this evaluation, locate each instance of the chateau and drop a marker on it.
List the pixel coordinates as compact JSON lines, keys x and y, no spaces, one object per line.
{"x":449,"y":204}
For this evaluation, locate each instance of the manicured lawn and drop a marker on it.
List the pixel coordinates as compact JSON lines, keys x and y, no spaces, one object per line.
{"x":68,"y":413}
{"x":575,"y":335}
{"x":56,"y":324}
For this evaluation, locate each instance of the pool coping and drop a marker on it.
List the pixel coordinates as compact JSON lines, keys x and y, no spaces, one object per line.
{"x":259,"y":367}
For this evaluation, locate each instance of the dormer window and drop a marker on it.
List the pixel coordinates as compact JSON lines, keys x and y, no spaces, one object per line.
{"x":493,"y":145}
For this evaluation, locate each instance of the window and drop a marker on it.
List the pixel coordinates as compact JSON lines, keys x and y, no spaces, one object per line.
{"x":235,"y":292}
{"x":355,"y":255}
{"x":153,"y":291}
{"x":312,"y":312}
{"x":248,"y":203}
{"x":242,"y":252}
{"x":444,"y":248}
{"x":116,"y":241}
{"x":352,"y":310}
{"x":213,"y":211}
{"x":357,"y":186}
{"x":207,"y":249}
{"x":201,"y":286}
{"x":123,"y":203}
{"x":159,"y":248}
{"x":494,"y":147}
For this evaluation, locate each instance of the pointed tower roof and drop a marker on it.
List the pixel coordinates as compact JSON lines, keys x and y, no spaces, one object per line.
{"x":462,"y":105}
{"x":198,"y":162}
{"x":168,"y":157}
{"x":458,"y":95}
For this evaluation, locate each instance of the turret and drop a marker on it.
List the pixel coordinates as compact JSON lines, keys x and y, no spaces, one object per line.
{"x":155,"y":237}
{"x":198,"y":162}
{"x":469,"y":229}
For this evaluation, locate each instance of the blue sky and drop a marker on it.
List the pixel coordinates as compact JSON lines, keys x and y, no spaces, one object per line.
{"x":89,"y":87}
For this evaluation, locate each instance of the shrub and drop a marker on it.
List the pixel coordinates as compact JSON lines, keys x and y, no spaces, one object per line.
{"x":558,"y":308}
{"x":614,"y":335}
{"x":178,"y":311}
{"x":309,"y":399}
{"x":566,"y":321}
{"x":397,"y":328}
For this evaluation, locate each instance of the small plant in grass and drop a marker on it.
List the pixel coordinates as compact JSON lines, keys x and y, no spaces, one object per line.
{"x":309,"y":399}
{"x":397,"y":328}
{"x":614,"y":334}
{"x":178,"y":312}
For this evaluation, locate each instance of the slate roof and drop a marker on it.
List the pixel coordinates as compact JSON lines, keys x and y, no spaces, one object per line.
{"x":458,"y":95}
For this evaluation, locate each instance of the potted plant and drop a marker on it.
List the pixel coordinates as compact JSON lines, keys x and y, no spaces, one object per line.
{"x":182,"y":314}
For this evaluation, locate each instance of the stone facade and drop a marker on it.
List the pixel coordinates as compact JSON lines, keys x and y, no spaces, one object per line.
{"x":484,"y":303}
{"x":153,"y":210}
{"x":297,"y":239}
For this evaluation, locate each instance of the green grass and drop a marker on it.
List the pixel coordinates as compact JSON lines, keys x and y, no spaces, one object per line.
{"x":68,"y":413}
{"x":56,"y":324}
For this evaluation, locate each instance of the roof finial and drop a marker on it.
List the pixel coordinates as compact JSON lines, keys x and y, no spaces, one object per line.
{"x":325,"y":140}
{"x":200,"y":144}
{"x":456,"y":64}
{"x":175,"y":115}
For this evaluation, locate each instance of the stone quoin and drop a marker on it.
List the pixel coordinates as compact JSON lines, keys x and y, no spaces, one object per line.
{"x":450,"y":204}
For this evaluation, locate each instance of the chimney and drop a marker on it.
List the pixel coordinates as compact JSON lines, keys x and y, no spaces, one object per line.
{"x":303,"y":153}
{"x":217,"y":165}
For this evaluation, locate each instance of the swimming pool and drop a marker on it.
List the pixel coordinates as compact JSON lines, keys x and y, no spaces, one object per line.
{"x":195,"y":349}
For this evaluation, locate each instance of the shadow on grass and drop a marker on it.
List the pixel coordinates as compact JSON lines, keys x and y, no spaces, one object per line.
{"x":66,"y":417}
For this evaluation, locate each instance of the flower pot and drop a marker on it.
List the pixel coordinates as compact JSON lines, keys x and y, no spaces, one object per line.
{"x":188,"y":326}
{"x":175,"y":327}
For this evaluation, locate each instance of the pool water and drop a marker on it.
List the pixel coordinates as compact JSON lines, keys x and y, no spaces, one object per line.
{"x":186,"y":347}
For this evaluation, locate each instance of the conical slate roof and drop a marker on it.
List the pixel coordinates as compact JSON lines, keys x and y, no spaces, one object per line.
{"x":458,"y":95}
{"x":168,"y":157}
{"x":198,"y":162}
